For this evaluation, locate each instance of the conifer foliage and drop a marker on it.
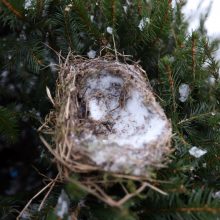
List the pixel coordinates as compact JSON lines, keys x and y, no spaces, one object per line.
{"x":184,"y":76}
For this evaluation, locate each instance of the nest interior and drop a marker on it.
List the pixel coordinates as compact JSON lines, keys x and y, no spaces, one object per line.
{"x":107,"y":119}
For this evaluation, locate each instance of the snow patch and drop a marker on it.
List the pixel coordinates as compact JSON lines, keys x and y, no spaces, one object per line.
{"x":184,"y":92}
{"x":109,"y":30}
{"x":143,"y":22}
{"x":62,"y":206}
{"x":125,"y":9}
{"x":68,"y":7}
{"x":92,"y":18}
{"x":216,"y":195}
{"x":28,"y":4}
{"x":211,"y":80}
{"x":91,"y":54}
{"x":197,"y":152}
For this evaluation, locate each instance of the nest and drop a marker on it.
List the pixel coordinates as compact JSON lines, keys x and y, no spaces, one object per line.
{"x":106,"y":119}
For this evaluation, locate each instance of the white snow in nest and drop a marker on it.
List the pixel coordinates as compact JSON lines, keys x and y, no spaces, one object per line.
{"x":133,"y":125}
{"x":143,"y":22}
{"x":62,"y":206}
{"x":91,"y":54}
{"x":97,"y":109}
{"x":109,"y":30}
{"x":184,"y":92}
{"x":197,"y":152}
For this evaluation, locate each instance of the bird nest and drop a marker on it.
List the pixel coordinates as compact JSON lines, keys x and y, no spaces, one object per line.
{"x":106,"y":120}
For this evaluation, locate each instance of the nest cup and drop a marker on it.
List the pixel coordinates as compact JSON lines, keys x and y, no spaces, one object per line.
{"x":106,"y":119}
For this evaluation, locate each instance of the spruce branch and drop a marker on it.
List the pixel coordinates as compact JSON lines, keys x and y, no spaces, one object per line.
{"x":8,"y":124}
{"x":13,"y":9}
{"x":193,"y":54}
{"x":169,"y":73}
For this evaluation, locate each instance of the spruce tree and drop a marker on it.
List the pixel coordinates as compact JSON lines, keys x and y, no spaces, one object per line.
{"x":184,"y":76}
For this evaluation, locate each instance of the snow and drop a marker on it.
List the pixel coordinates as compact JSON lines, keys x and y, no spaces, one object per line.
{"x":28,"y":4}
{"x":109,"y":30}
{"x":53,"y":66}
{"x":91,"y":54}
{"x":128,"y":2}
{"x":97,"y":110}
{"x":143,"y":22}
{"x":125,"y":9}
{"x":197,"y":152}
{"x":184,"y":92}
{"x":92,"y":18}
{"x":194,"y":9}
{"x":126,"y":124}
{"x":68,"y":7}
{"x":216,"y":195}
{"x":211,"y":80}
{"x":62,"y":205}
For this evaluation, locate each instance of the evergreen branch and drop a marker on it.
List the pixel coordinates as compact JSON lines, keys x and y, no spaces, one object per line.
{"x":193,"y":55}
{"x":140,"y":7}
{"x":205,"y":208}
{"x":80,"y":10}
{"x":8,"y":124}
{"x":195,"y":117}
{"x":12,"y":9}
{"x":113,"y":11}
{"x":171,"y":82}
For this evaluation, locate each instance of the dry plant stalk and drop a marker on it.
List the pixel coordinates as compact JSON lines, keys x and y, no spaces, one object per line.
{"x":106,"y":120}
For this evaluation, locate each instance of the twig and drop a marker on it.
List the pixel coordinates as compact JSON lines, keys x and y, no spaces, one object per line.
{"x":12,"y":9}
{"x":193,"y":55}
{"x":47,"y":194}
{"x":116,"y":53}
{"x":30,"y":201}
{"x":195,"y":117}
{"x":130,"y":195}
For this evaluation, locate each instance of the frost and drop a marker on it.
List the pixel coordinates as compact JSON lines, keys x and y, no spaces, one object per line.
{"x":62,"y":206}
{"x":184,"y":92}
{"x":91,"y":54}
{"x":216,"y":195}
{"x":197,"y":152}
{"x":143,"y":22}
{"x":109,"y":30}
